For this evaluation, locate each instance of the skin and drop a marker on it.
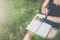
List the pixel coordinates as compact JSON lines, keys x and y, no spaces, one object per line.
{"x":53,"y":32}
{"x":51,"y":18}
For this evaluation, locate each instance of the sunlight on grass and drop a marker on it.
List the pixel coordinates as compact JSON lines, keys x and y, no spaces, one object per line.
{"x":15,"y":15}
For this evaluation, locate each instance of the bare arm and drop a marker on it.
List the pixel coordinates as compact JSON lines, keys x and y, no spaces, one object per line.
{"x":45,"y":4}
{"x":44,"y":7}
{"x":54,"y":19}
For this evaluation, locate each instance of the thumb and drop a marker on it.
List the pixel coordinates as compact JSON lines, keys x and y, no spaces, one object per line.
{"x":46,"y":11}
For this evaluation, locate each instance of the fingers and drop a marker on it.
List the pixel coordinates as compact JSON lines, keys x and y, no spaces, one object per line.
{"x":45,"y":11}
{"x":39,"y":16}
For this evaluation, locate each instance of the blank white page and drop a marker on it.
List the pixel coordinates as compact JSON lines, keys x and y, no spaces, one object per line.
{"x":33,"y":26}
{"x":43,"y":30}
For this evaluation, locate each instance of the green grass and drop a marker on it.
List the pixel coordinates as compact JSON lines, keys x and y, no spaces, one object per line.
{"x":17,"y":14}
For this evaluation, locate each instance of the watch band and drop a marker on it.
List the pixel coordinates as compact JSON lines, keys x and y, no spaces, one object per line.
{"x":46,"y":16}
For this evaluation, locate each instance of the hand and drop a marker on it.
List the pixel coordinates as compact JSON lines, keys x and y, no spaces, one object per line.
{"x":44,"y":11}
{"x":38,"y":16}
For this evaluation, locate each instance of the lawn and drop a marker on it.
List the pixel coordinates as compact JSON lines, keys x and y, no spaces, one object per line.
{"x":15,"y":15}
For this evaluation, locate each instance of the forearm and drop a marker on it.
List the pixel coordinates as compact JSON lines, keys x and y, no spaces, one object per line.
{"x":44,"y":7}
{"x":54,"y":19}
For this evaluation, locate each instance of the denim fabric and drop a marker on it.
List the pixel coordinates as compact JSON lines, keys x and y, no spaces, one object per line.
{"x":54,"y":25}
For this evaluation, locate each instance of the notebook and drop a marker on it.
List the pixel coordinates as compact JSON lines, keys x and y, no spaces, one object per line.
{"x":39,"y":28}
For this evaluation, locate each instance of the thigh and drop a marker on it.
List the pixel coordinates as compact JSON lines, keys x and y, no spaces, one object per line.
{"x":52,"y":33}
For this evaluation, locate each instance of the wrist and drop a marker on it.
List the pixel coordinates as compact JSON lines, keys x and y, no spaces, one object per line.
{"x":46,"y":16}
{"x":49,"y":17}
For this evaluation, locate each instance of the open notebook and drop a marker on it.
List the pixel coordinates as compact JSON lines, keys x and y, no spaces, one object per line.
{"x":39,"y":28}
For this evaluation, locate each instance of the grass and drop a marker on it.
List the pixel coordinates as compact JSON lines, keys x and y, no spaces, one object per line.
{"x":16,"y":15}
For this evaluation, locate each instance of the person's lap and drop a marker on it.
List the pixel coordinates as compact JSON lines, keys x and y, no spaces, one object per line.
{"x":52,"y":33}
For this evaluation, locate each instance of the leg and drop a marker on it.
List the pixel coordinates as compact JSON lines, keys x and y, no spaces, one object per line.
{"x":52,"y":33}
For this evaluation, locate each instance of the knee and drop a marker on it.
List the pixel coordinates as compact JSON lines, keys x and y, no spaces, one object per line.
{"x":52,"y":34}
{"x":30,"y":33}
